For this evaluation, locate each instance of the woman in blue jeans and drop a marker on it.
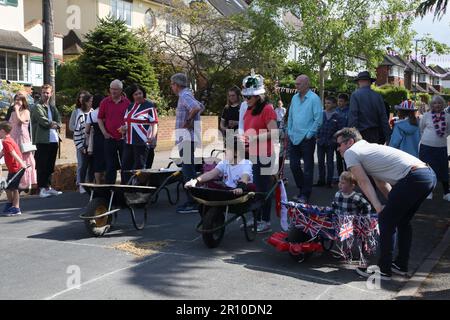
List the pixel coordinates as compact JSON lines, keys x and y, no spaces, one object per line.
{"x":405,"y":182}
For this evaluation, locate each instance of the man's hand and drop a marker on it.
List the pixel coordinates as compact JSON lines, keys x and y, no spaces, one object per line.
{"x":23,"y":165}
{"x":107,"y":135}
{"x":54,"y":125}
{"x":238,"y":191}
{"x":191,"y":183}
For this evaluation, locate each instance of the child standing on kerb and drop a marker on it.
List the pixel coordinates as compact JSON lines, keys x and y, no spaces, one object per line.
{"x":14,"y":163}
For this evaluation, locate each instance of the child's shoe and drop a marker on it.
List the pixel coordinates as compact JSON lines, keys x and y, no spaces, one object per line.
{"x":13,"y":211}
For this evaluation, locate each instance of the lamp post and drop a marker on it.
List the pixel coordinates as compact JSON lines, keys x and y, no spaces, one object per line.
{"x":415,"y":68}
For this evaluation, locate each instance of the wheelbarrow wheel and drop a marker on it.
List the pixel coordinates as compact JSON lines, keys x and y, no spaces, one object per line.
{"x":212,"y":219}
{"x":327,"y":244}
{"x":97,"y":227}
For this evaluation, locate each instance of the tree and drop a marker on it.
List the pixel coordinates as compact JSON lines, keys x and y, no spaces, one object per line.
{"x":215,"y":51}
{"x":111,"y":52}
{"x":48,"y":43}
{"x":335,"y":33}
{"x":439,"y":7}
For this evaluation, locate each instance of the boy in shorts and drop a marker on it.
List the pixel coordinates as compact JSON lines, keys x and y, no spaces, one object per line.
{"x":15,"y":164}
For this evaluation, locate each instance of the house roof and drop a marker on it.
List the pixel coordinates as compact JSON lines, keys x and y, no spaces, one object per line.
{"x":32,"y":23}
{"x":393,"y":61}
{"x":14,"y":40}
{"x":229,"y":7}
{"x":418,"y":88}
{"x":72,"y":43}
{"x":415,"y":65}
{"x":433,"y":90}
{"x":438,"y":69}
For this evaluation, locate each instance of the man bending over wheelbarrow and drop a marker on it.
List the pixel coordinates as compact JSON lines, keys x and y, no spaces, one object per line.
{"x":404,"y":181}
{"x":234,"y":171}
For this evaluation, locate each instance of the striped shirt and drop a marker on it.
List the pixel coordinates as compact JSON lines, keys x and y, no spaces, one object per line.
{"x":79,"y":135}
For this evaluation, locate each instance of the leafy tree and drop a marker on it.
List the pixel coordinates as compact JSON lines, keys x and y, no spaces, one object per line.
{"x":111,"y":52}
{"x":335,"y":32}
{"x":439,"y":7}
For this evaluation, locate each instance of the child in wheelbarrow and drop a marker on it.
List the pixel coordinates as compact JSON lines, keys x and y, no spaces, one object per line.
{"x":15,"y":164}
{"x":234,"y":172}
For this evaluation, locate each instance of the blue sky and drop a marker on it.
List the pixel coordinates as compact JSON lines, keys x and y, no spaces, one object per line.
{"x":439,"y":30}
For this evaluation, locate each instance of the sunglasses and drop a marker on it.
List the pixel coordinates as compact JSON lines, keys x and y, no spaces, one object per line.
{"x":248,"y":97}
{"x":341,"y":143}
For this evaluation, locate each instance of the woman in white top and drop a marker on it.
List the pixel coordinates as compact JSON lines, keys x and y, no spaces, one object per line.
{"x":435,"y":128}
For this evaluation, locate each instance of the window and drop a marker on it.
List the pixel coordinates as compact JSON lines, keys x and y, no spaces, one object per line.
{"x":121,"y":9}
{"x":173,"y":28}
{"x":423,"y":78}
{"x":150,"y":21}
{"x":13,"y":66}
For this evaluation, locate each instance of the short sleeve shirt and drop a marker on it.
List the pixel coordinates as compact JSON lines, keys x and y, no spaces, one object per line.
{"x":381,"y":162}
{"x":8,"y":147}
{"x":256,"y":125}
{"x":231,"y":113}
{"x":232,"y":174}
{"x":112,"y":114}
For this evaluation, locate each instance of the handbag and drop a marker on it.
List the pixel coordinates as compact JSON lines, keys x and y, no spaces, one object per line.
{"x":28,"y":146}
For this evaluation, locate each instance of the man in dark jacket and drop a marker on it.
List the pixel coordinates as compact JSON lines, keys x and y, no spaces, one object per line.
{"x":368,"y":112}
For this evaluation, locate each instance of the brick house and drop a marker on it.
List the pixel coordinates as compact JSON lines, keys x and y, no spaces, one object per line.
{"x":391,"y":71}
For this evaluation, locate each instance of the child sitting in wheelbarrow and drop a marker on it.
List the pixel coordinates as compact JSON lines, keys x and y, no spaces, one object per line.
{"x":234,"y":172}
{"x":347,"y":222}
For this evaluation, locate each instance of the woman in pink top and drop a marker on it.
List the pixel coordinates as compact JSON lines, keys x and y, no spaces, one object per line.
{"x":20,"y":121}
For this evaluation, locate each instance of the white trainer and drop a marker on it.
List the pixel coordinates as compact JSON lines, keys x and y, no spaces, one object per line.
{"x":53,"y":192}
{"x":263,"y":227}
{"x":430,"y":196}
{"x":43,"y":193}
{"x":446,"y":197}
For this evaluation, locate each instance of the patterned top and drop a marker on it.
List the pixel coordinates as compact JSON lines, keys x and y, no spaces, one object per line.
{"x":352,"y":204}
{"x":138,"y":119}
{"x":186,"y":102}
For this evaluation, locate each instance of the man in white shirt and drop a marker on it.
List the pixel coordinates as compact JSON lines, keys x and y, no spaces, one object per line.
{"x":404,"y":181}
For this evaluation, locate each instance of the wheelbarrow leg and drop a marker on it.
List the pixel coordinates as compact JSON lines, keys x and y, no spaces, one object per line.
{"x":133,"y":218}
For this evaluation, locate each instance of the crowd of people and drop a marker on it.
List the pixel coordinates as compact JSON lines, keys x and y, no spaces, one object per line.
{"x":120,"y":132}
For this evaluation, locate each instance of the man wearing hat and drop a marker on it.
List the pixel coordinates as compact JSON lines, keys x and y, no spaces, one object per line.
{"x":406,"y":133}
{"x":367,"y":111}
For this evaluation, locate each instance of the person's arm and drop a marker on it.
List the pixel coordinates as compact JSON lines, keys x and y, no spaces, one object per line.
{"x":366,"y":186}
{"x":222,"y":126}
{"x":242,"y":184}
{"x":290,"y":119}
{"x":383,"y":118}
{"x":318,"y":118}
{"x":22,"y":117}
{"x":353,"y":112}
{"x":207,"y":176}
{"x":18,"y":159}
{"x":73,"y":120}
{"x":384,"y":187}
{"x":100,"y":121}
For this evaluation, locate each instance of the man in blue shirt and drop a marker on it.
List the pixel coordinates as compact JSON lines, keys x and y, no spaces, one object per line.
{"x":305,"y":118}
{"x":368,"y":111}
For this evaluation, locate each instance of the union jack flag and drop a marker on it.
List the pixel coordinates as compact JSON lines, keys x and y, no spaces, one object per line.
{"x":308,"y":225}
{"x":346,"y":231}
{"x":138,"y":119}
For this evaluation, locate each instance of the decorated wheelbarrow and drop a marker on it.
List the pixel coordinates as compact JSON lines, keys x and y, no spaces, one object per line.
{"x":106,"y":200}
{"x":317,"y":229}
{"x":219,"y":208}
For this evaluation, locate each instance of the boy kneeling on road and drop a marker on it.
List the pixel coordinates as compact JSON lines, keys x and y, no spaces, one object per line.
{"x":14,"y":163}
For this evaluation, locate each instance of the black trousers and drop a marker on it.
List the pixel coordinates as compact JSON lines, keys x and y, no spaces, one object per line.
{"x":45,"y":157}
